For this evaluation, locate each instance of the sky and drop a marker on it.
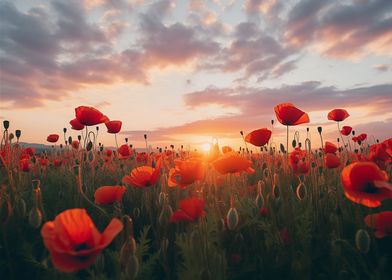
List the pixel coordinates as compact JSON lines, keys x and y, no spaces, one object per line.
{"x":192,"y":72}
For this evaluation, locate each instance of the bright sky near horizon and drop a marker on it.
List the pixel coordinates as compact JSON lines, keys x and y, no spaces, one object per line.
{"x":185,"y":72}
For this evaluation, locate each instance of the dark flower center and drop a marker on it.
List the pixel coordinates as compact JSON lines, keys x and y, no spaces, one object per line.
{"x":81,"y":247}
{"x":370,"y":188}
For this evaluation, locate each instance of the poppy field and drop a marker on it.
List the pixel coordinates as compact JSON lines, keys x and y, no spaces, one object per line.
{"x":80,"y":210}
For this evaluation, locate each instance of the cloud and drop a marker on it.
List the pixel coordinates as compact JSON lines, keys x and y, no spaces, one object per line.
{"x":383,"y":67}
{"x":341,"y":29}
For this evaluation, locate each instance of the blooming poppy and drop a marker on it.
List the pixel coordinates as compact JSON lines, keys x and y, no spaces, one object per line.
{"x":338,"y":115}
{"x":143,"y":176}
{"x":362,"y":137}
{"x":24,"y":164}
{"x":29,"y":151}
{"x":52,"y":138}
{"x":330,"y":148}
{"x":346,"y":130}
{"x":378,"y":154}
{"x":259,"y":137}
{"x":388,"y":146}
{"x":73,"y":240}
{"x":381,"y":222}
{"x":57,"y":163}
{"x":185,"y":172}
{"x":365,"y":183}
{"x":141,"y":157}
{"x":288,"y":114}
{"x":43,"y":161}
{"x":232,"y":163}
{"x":75,"y":144}
{"x":355,"y":139}
{"x":108,"y":152}
{"x":298,"y":162}
{"x":331,"y":161}
{"x":190,"y":210}
{"x":124,"y":151}
{"x":109,"y":194}
{"x":113,"y":126}
{"x":76,"y":125}
{"x":226,"y":149}
{"x":89,"y":116}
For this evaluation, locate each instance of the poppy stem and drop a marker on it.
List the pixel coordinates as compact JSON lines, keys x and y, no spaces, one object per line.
{"x":115,"y":138}
{"x":85,"y":138}
{"x":341,"y":136}
{"x":287,"y":140}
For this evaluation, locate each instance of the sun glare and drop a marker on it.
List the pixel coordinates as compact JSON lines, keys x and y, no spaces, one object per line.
{"x":205,"y":147}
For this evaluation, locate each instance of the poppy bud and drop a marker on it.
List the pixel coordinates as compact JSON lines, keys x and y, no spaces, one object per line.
{"x":362,"y":241}
{"x":6,"y":124}
{"x":353,"y":132}
{"x":272,"y":122}
{"x":11,"y":136}
{"x":145,"y":136}
{"x":275,"y":191}
{"x":35,"y":217}
{"x":89,"y":146}
{"x":136,"y":212}
{"x":70,"y":139}
{"x":307,"y":129}
{"x":282,"y":148}
{"x":338,"y":139}
{"x":126,"y":139}
{"x":65,"y":130}
{"x":301,"y":191}
{"x":61,"y":146}
{"x":294,"y":143}
{"x":101,"y":148}
{"x":79,"y":137}
{"x":18,"y":133}
{"x":21,"y":207}
{"x":319,"y":129}
{"x":97,"y":128}
{"x":232,"y":218}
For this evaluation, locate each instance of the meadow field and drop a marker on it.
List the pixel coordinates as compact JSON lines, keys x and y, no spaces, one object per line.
{"x":80,"y":210}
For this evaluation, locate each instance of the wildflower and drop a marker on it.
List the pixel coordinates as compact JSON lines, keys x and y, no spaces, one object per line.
{"x":190,"y":210}
{"x":113,"y":126}
{"x":332,"y":161}
{"x":73,"y":240}
{"x":109,"y":194}
{"x":143,"y":176}
{"x":259,"y":137}
{"x":288,"y":114}
{"x":365,"y":183}
{"x":338,"y":115}
{"x":346,"y":130}
{"x":330,"y":148}
{"x":76,"y":125}
{"x":185,"y":172}
{"x":381,"y":222}
{"x":232,"y":163}
{"x":53,"y":138}
{"x":89,"y":116}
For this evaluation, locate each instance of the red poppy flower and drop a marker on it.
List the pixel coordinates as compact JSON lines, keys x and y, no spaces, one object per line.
{"x":43,"y":161}
{"x":330,"y":148}
{"x":108,"y":153}
{"x":124,"y":151}
{"x":76,"y":125}
{"x":53,"y":138}
{"x":355,"y":139}
{"x":143,"y":176}
{"x":288,"y":114}
{"x":29,"y":151}
{"x":226,"y":149}
{"x":346,"y":130}
{"x":73,"y":240}
{"x":381,"y":222}
{"x":338,"y":115}
{"x":113,"y":126}
{"x":109,"y":194}
{"x":298,"y":162}
{"x":190,"y":210}
{"x":259,"y":137}
{"x":378,"y":153}
{"x":185,"y":172}
{"x":142,"y":157}
{"x":388,"y":146}
{"x":90,"y":116}
{"x":75,"y":144}
{"x":57,"y":163}
{"x":331,"y":161}
{"x":365,"y":183}
{"x":232,"y":163}
{"x":362,"y":137}
{"x":24,"y":164}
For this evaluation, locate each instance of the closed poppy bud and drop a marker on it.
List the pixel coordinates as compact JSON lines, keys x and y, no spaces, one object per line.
{"x":11,"y":136}
{"x":89,"y":146}
{"x":70,"y":139}
{"x":79,"y":137}
{"x":35,"y":217}
{"x":6,"y":124}
{"x":232,"y":218}
{"x":145,"y":136}
{"x":18,"y":133}
{"x":319,"y":129}
{"x":64,"y":129}
{"x":272,"y":122}
{"x":294,"y":143}
{"x":362,"y":241}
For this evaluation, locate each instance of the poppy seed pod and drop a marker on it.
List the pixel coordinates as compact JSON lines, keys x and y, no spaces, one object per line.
{"x":70,"y":139}
{"x":18,"y":133}
{"x":319,"y":129}
{"x":272,"y":122}
{"x":232,"y":218}
{"x":89,"y":146}
{"x":362,"y":241}
{"x":65,"y":130}
{"x":11,"y":136}
{"x":6,"y":124}
{"x":145,"y":136}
